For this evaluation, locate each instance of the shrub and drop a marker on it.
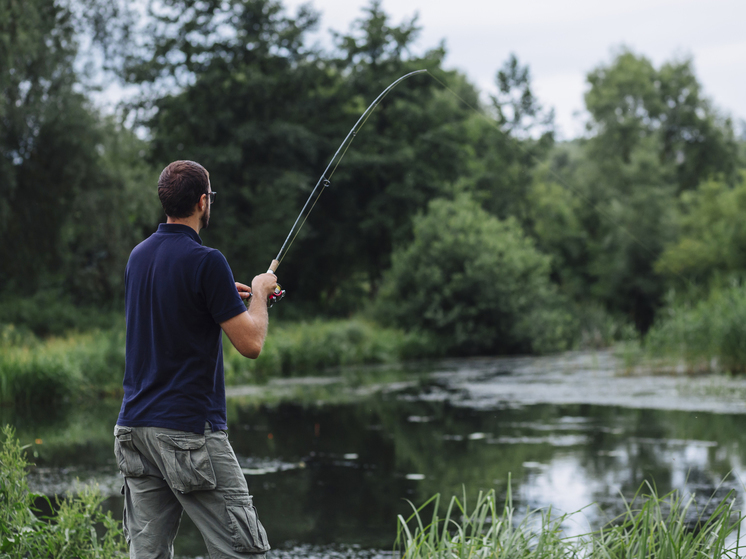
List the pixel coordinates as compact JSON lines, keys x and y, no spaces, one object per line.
{"x":70,"y":532}
{"x":476,"y":283}
{"x":51,"y":313}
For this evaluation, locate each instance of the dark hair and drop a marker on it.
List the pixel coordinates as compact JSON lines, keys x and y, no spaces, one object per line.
{"x":180,"y":187}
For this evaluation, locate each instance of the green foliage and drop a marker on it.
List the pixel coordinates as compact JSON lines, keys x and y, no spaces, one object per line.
{"x":91,"y":363}
{"x":477,"y":283}
{"x":72,"y":532}
{"x":630,"y":101}
{"x":708,"y":334}
{"x":72,"y":202}
{"x":51,"y":312}
{"x":301,"y":349}
{"x":652,"y":526}
{"x":33,"y":371}
{"x":712,"y":239}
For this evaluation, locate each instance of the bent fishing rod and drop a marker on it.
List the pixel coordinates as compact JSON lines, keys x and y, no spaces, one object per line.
{"x":323,"y":183}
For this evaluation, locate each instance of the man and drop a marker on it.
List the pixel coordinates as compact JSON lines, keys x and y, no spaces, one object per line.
{"x":171,"y":441}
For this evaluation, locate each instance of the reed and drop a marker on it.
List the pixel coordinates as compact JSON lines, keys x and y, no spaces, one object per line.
{"x":708,"y":336}
{"x":652,"y":527}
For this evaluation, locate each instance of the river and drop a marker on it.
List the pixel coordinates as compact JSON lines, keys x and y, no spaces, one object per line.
{"x":332,"y":461}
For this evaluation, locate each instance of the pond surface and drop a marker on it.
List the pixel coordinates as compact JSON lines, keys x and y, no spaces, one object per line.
{"x":332,"y":463}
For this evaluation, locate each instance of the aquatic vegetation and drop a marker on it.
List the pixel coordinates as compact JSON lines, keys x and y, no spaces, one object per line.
{"x":707,"y":336}
{"x":71,"y":531}
{"x":653,"y":527}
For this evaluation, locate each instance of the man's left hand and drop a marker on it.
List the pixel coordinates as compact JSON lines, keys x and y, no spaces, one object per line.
{"x":244,"y":291}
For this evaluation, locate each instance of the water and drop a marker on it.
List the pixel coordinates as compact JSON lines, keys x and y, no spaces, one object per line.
{"x":331,"y":464}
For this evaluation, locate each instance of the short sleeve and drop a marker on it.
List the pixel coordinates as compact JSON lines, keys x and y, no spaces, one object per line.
{"x":219,"y":288}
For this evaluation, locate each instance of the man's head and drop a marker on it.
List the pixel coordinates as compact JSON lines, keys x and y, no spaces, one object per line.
{"x":181,"y":188}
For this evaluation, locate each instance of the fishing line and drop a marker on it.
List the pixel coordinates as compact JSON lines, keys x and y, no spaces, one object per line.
{"x":326,"y":180}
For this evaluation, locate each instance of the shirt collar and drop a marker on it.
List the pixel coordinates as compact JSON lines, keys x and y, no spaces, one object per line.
{"x":174,"y":228}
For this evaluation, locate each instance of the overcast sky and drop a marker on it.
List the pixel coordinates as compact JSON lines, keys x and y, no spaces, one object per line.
{"x":562,"y":40}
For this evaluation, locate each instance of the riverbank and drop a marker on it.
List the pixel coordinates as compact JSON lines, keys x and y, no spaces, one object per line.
{"x":37,"y":370}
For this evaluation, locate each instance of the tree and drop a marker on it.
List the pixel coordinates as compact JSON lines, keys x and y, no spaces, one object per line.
{"x":711,"y":243}
{"x":55,"y":161}
{"x":630,"y":100}
{"x":475,"y":282}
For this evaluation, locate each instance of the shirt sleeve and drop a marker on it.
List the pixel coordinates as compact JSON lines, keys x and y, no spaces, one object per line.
{"x":219,"y":288}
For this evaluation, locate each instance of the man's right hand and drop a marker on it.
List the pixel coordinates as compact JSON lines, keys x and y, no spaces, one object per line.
{"x":263,"y":285}
{"x":247,"y":331}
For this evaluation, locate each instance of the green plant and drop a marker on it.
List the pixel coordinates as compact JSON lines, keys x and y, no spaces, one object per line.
{"x":475,"y":283}
{"x":652,"y":527}
{"x":71,"y":532}
{"x":481,"y":532}
{"x":50,"y":370}
{"x":306,"y":348}
{"x":708,"y":335}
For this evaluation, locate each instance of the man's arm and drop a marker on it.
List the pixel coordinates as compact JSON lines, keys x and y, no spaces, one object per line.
{"x":248,"y":330}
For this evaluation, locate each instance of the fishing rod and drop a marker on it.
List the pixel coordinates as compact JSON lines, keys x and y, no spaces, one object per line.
{"x":324,"y":182}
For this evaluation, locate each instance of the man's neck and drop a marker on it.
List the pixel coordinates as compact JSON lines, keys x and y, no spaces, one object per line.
{"x":192,"y":221}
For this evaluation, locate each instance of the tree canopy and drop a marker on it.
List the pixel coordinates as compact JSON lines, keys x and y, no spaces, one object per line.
{"x":467,"y":199}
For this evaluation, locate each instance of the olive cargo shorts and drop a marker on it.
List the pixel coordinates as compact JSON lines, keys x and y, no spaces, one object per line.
{"x":168,"y":471}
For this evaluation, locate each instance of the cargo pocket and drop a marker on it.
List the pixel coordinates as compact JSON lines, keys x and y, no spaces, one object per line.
{"x":249,"y":536}
{"x":128,"y":457}
{"x":187,"y":462}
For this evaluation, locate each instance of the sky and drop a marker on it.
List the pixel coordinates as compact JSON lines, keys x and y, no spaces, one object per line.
{"x":561,"y":41}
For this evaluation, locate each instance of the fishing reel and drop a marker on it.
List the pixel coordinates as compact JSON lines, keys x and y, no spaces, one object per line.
{"x":272,"y":298}
{"x":276,"y":296}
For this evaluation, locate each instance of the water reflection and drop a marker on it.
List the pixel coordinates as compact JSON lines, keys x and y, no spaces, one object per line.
{"x":330,"y":478}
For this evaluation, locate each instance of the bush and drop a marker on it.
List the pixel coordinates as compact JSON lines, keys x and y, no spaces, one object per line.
{"x":476,"y":283}
{"x":50,"y":313}
{"x":710,"y":334}
{"x":70,"y":532}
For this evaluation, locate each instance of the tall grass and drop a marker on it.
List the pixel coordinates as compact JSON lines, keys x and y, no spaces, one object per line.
{"x":36,"y":371}
{"x":307,"y":348}
{"x":91,"y":363}
{"x":710,"y":335}
{"x":72,"y":531}
{"x":652,"y":527}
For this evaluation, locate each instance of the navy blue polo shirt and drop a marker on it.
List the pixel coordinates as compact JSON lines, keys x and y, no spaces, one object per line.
{"x":177,"y":292}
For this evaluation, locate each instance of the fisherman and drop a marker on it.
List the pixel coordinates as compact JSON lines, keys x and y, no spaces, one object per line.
{"x":171,"y":441}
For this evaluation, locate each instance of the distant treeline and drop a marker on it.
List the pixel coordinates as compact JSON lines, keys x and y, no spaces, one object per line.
{"x":477,"y":229}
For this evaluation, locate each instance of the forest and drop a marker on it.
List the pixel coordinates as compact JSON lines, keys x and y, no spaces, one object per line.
{"x":456,"y":224}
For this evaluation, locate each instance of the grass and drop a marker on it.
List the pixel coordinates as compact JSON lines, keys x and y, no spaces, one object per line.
{"x":652,"y":527}
{"x":73,"y":531}
{"x":34,"y":371}
{"x":707,"y":336}
{"x":37,"y":370}
{"x":307,"y":348}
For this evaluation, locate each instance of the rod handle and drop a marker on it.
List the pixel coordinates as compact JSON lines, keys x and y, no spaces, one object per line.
{"x":273,"y":267}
